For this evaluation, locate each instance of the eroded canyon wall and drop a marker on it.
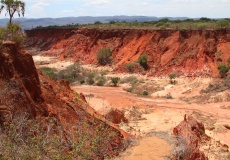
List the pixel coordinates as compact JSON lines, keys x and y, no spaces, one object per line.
{"x":189,"y":53}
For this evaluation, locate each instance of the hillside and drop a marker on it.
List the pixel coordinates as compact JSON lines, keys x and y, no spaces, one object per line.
{"x":26,"y":94}
{"x":184,"y":52}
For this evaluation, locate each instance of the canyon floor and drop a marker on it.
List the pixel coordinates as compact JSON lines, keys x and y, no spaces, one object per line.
{"x":152,"y":118}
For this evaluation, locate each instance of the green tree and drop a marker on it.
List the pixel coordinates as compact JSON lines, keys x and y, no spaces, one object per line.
{"x":115,"y":80}
{"x":104,"y":56}
{"x":143,"y":61}
{"x":223,"y":70}
{"x":12,"y":6}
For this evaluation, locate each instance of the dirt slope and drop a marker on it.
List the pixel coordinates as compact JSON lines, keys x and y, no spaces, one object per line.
{"x":190,"y":53}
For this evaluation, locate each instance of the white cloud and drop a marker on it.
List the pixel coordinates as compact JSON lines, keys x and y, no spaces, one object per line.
{"x":186,"y":1}
{"x":99,"y":2}
{"x":145,"y":3}
{"x":225,"y":1}
{"x":67,"y":11}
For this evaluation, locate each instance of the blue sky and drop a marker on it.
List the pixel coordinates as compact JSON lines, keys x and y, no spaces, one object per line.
{"x":159,"y":8}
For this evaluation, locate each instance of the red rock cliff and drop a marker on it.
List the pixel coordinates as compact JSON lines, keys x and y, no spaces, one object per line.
{"x":183,"y":52}
{"x":23,"y":89}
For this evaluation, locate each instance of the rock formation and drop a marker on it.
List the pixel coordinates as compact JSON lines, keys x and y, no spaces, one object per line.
{"x":189,"y":53}
{"x":24,"y":89}
{"x":192,"y":132}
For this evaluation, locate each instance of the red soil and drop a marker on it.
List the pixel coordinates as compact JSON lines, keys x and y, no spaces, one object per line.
{"x":189,"y":53}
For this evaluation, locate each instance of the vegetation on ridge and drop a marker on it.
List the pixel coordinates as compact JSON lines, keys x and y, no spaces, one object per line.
{"x":187,"y":24}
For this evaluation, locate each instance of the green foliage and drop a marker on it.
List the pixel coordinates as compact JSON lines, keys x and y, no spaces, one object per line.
{"x":49,"y":72}
{"x":12,"y":6}
{"x":172,"y":76}
{"x":104,"y":56}
{"x":98,"y":22}
{"x":130,"y":67}
{"x":228,"y":60}
{"x":143,"y":61}
{"x":90,"y":78}
{"x":115,"y":80}
{"x":131,"y":80}
{"x":187,"y":24}
{"x":201,"y":26}
{"x":13,"y":32}
{"x":223,"y":23}
{"x":112,"y":22}
{"x":101,"y":80}
{"x":76,"y":74}
{"x":145,"y":93}
{"x":223,"y":70}
{"x":218,"y":53}
{"x":205,"y":19}
{"x":72,"y":73}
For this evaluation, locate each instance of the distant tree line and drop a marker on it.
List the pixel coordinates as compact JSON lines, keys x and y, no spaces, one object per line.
{"x":165,"y":23}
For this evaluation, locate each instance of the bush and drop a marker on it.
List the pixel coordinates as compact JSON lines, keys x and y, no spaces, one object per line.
{"x":71,"y":73}
{"x":49,"y":72}
{"x":223,"y":70}
{"x":228,"y":60}
{"x":172,"y":76}
{"x":104,"y":56}
{"x":13,"y":32}
{"x":130,"y":67}
{"x":101,"y":80}
{"x":90,"y":78}
{"x":115,"y":80}
{"x":143,"y":61}
{"x":145,"y":93}
{"x":131,"y":79}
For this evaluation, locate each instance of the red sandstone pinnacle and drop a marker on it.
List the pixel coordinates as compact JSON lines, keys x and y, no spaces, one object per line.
{"x":191,"y":131}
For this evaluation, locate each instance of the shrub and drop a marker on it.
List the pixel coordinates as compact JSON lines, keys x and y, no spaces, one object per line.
{"x":143,"y":61}
{"x":223,"y":70}
{"x":101,"y":80}
{"x":49,"y":72}
{"x":201,"y":26}
{"x":223,"y":23}
{"x":13,"y":32}
{"x":71,"y":73}
{"x":115,"y":80}
{"x":130,"y":67}
{"x":145,"y":93}
{"x":104,"y":56}
{"x":25,"y":138}
{"x":228,"y":60}
{"x":131,"y":79}
{"x":90,"y":78}
{"x":218,"y":53}
{"x":172,"y":76}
